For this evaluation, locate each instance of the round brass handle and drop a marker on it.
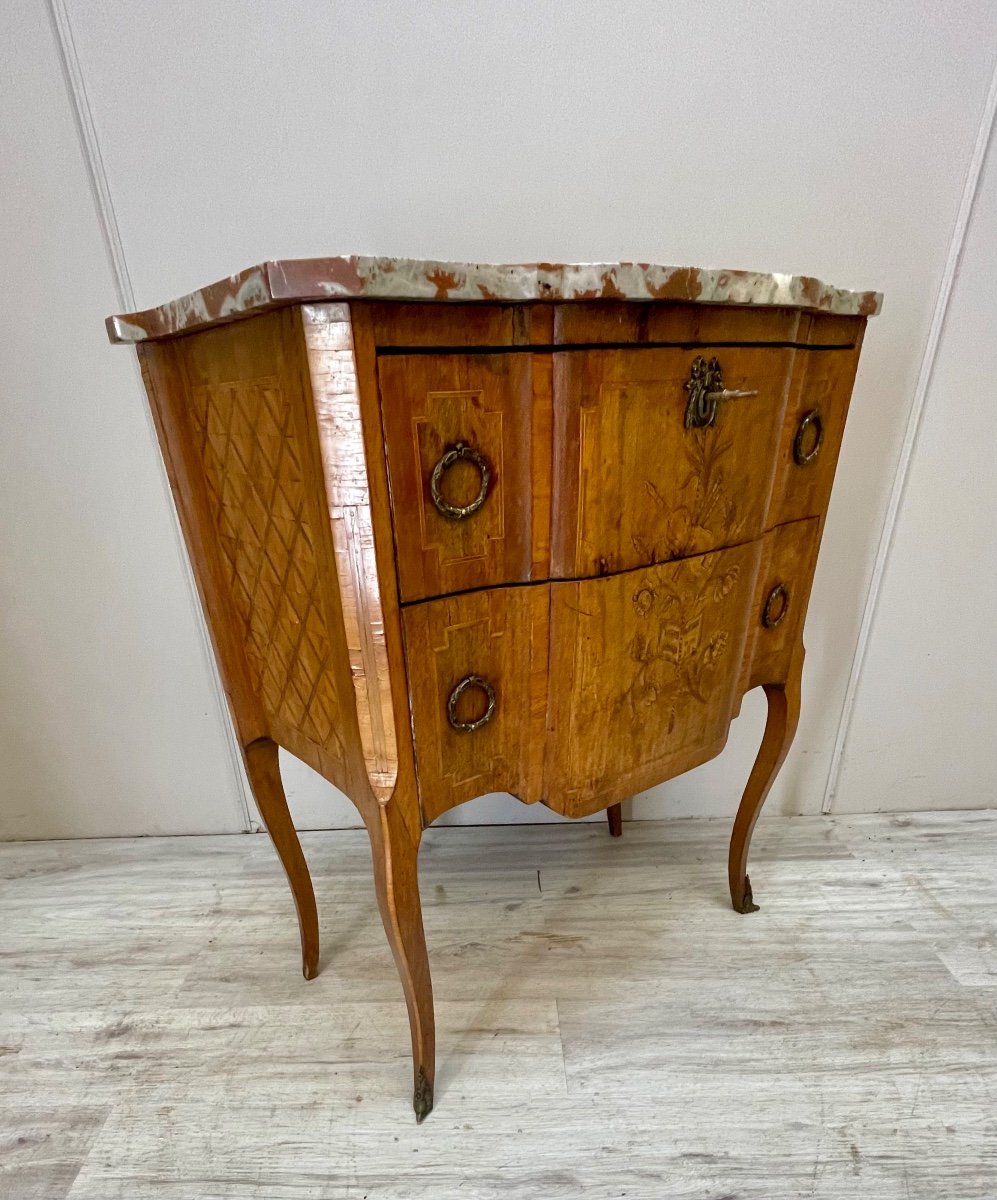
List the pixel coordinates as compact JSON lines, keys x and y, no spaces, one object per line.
{"x":776,"y":606}
{"x":809,"y":422}
{"x":458,"y":512}
{"x":470,"y":681}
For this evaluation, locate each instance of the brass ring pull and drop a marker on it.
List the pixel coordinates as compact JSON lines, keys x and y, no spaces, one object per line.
{"x":467,"y":682}
{"x":457,"y":512}
{"x":776,"y":607}
{"x":810,"y":421}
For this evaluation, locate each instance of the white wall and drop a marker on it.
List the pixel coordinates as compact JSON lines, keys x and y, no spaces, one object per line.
{"x":923,"y":733}
{"x":108,"y":721}
{"x":828,"y":139}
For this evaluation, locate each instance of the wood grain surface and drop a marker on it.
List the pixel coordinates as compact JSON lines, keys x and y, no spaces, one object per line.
{"x":236,"y":401}
{"x":634,"y":486}
{"x":500,"y":635}
{"x":328,"y":338}
{"x":429,"y":405}
{"x":820,"y":388}
{"x":643,"y":674}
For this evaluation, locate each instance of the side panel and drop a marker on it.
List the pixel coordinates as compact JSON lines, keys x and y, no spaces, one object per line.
{"x":244,"y":414}
{"x":168,"y":402}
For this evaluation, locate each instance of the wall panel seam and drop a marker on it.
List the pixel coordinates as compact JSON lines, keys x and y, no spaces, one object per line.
{"x":911,"y":432}
{"x":107,"y":220}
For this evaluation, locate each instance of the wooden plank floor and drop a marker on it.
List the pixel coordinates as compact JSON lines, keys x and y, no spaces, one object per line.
{"x":608,"y":1027}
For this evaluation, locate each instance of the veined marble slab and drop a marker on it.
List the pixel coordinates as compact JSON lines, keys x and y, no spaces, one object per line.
{"x":287,"y":281}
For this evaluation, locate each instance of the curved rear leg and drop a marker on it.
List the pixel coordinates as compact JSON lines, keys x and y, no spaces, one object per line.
{"x":780,"y":728}
{"x":263,"y":770}
{"x":395,"y":850}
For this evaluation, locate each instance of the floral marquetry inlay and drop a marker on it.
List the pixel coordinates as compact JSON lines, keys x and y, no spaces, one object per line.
{"x":252,"y":466}
{"x":675,"y":653}
{"x":711,"y":504}
{"x":645,"y":664}
{"x":638,"y":485}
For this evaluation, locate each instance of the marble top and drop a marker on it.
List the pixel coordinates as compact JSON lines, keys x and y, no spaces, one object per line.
{"x":289,"y":281}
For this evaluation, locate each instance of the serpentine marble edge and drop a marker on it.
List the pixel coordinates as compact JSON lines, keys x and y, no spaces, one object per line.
{"x":359,"y":277}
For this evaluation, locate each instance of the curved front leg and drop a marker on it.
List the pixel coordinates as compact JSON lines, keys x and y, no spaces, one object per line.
{"x":263,"y":769}
{"x":780,"y":728}
{"x":395,"y":850}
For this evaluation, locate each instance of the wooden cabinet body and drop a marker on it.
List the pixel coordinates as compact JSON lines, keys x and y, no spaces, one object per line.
{"x":538,"y":542}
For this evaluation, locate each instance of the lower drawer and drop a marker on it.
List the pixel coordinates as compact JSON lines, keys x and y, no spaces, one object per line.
{"x":579,"y":694}
{"x":644,"y":668}
{"x":477,"y":677}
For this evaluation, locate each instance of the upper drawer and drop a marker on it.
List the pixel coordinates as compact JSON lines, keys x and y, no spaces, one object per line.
{"x":462,"y":432}
{"x":662,"y":453}
{"x":510,"y":465}
{"x":812,"y":431}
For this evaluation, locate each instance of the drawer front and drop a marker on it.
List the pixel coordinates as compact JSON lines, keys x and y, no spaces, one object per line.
{"x":779,"y":607}
{"x":635,"y":484}
{"x":460,"y":464}
{"x":582,"y":693}
{"x":643,"y":674}
{"x":812,"y":431}
{"x":496,"y":640}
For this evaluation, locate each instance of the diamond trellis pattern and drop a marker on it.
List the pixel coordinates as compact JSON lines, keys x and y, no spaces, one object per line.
{"x":252,"y":464}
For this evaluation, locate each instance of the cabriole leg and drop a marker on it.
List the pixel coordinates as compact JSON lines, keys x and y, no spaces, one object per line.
{"x":395,"y":850}
{"x":780,"y":728}
{"x":263,"y":769}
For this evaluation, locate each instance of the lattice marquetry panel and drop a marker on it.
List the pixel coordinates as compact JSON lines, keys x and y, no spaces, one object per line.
{"x":252,"y":464}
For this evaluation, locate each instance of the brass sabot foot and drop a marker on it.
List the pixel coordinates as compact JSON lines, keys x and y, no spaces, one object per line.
{"x":748,"y":904}
{"x":422,"y":1098}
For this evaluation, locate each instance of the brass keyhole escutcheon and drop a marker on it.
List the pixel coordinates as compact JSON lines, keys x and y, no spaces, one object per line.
{"x":776,"y":606}
{"x":460,"y":452}
{"x":705,"y":388}
{"x":809,"y":438}
{"x":471,"y":681}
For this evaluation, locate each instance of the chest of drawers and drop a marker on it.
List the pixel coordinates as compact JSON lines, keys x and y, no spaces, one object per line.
{"x":461,"y":529}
